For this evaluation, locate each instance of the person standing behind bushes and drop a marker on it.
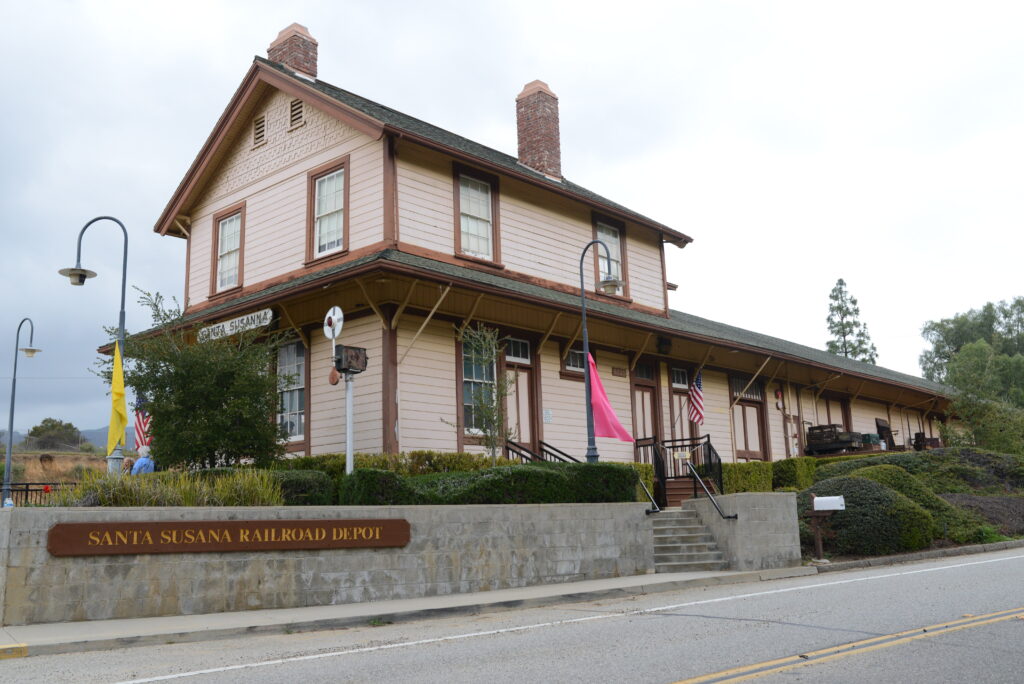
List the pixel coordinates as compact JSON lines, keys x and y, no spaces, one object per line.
{"x":144,"y":464}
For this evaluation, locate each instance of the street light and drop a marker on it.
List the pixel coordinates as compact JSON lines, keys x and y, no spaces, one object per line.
{"x":29,"y":351}
{"x":78,"y":276}
{"x":609,"y":285}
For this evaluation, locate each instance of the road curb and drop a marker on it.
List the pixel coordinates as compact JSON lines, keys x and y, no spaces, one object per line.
{"x":921,"y":555}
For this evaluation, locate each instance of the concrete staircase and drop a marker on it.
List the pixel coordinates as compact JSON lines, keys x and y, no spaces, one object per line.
{"x":682,"y":544}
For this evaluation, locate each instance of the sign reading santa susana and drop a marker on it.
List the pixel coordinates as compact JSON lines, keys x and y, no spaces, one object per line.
{"x":249,"y":321}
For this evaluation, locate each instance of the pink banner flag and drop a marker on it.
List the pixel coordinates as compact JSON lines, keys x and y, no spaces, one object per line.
{"x":606,"y":424}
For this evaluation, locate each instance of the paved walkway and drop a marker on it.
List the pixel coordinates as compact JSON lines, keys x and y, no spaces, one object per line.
{"x":68,"y":637}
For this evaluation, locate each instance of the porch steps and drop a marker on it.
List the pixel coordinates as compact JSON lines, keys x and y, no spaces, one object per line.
{"x":680,"y":489}
{"x":682,"y":544}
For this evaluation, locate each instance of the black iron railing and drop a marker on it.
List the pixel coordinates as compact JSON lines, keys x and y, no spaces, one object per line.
{"x":694,"y":458}
{"x":35,"y":493}
{"x":523,"y":453}
{"x":551,"y":453}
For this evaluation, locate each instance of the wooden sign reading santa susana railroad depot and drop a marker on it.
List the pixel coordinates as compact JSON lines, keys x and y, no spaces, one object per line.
{"x":218,"y":536}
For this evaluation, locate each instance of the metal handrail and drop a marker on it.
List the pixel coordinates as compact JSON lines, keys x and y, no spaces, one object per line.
{"x":698,"y":478}
{"x":525,"y":455}
{"x":553,"y":453}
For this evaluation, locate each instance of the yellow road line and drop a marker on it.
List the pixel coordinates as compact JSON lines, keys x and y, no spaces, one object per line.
{"x":13,"y":651}
{"x":738,"y":674}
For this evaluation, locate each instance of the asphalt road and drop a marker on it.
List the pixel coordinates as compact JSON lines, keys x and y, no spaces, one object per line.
{"x":958,"y":619}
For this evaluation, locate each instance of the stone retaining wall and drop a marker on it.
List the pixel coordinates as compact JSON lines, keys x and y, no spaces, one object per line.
{"x":765,"y":535}
{"x":453,"y":549}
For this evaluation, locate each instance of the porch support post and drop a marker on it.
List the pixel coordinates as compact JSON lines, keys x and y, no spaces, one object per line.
{"x":643,"y":348}
{"x":575,"y":336}
{"x":376,"y":309}
{"x":469,"y":316}
{"x":551,"y":329}
{"x":751,"y":382}
{"x":405,"y":303}
{"x":302,"y":336}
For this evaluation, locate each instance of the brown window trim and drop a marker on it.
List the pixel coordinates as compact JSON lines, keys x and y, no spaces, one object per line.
{"x":302,"y":445}
{"x":311,"y":179}
{"x":746,"y":454}
{"x":571,"y":374}
{"x":621,"y":226}
{"x":492,"y":180}
{"x":238,"y":208}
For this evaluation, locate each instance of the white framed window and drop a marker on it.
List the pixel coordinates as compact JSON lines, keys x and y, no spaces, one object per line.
{"x":229,"y":247}
{"x":329,"y":213}
{"x":517,"y":351}
{"x":475,"y":219}
{"x":610,"y":263}
{"x":477,"y":384}
{"x":575,"y":361}
{"x":680,"y":378}
{"x":291,"y":374}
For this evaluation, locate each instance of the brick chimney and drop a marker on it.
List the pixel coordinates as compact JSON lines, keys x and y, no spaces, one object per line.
{"x":295,"y":49}
{"x":537,"y":121}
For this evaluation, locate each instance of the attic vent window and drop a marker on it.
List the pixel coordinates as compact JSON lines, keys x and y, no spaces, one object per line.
{"x":259,"y":130}
{"x":296,"y":114}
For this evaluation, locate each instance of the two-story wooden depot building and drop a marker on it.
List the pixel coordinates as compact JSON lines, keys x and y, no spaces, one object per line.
{"x":306,"y":196}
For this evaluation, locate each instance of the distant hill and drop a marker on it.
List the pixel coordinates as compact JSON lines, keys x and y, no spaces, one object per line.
{"x":96,"y":437}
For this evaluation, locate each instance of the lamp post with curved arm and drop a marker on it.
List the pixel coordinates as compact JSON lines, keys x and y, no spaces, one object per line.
{"x":30,"y":351}
{"x":609,"y":284}
{"x":78,"y":276}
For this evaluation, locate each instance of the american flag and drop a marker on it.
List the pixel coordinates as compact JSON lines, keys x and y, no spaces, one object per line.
{"x":142,"y":436}
{"x":697,"y":401}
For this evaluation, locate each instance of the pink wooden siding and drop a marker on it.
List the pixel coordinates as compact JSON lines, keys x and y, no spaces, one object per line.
{"x":776,"y":415}
{"x":427,"y":396}
{"x":864,"y":415}
{"x":541,"y":234}
{"x":717,"y":421}
{"x":327,"y":402}
{"x":271,"y":179}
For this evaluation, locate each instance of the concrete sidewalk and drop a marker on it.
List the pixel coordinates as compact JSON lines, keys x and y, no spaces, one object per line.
{"x":69,"y":637}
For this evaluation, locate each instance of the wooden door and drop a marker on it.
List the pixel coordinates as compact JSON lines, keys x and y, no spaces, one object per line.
{"x":645,"y":422}
{"x":519,"y":403}
{"x":748,"y":430}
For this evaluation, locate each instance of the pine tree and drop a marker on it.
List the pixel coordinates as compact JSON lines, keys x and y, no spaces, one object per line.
{"x":849,"y":336}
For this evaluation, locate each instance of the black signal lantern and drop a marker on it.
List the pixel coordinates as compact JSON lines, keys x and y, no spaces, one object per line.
{"x":350,"y":359}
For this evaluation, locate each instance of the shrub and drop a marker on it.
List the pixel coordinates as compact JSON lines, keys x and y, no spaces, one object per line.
{"x":877,"y":520}
{"x":645,"y":471}
{"x":950,"y":522}
{"x":244,"y":487}
{"x":794,"y":472}
{"x":373,"y":487}
{"x":305,"y":487}
{"x":599,"y":482}
{"x":754,"y":476}
{"x":503,"y":485}
{"x":424,"y":462}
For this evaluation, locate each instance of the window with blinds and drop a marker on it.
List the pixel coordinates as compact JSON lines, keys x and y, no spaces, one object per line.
{"x":755,"y":392}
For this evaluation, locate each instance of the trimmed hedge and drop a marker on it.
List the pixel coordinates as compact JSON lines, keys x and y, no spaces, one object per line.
{"x":794,"y":472}
{"x":753,"y":476}
{"x":539,"y":483}
{"x":305,"y":487}
{"x":877,"y":520}
{"x":645,"y":471}
{"x":951,"y":522}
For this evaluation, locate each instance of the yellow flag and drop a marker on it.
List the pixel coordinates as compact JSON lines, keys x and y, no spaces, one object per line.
{"x":118,"y":409}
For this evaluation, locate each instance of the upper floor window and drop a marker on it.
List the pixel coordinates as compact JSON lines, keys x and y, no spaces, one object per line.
{"x":476,"y":203}
{"x":291,"y":373}
{"x":228,"y":240}
{"x":328,"y":210}
{"x":611,"y":263}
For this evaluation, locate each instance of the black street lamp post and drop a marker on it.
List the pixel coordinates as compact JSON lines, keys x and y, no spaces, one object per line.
{"x":609,"y":284}
{"x":30,"y":351}
{"x":78,"y":276}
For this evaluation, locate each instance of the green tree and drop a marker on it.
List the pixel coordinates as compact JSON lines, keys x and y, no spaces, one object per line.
{"x":53,"y":434}
{"x":1000,"y":325}
{"x":849,"y":336}
{"x":989,"y":398}
{"x":211,"y":402}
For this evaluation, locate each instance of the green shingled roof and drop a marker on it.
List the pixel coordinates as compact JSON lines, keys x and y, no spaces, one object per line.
{"x":678,"y":322}
{"x":404,"y":122}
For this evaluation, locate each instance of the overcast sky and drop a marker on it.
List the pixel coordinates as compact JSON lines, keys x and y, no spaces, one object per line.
{"x":796,"y":142}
